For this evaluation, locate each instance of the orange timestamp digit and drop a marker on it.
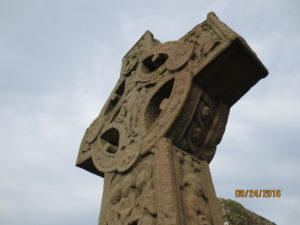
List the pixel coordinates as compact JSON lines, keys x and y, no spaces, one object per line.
{"x":257,"y":193}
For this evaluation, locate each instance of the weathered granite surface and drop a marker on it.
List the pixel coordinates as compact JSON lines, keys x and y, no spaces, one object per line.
{"x":236,"y":214}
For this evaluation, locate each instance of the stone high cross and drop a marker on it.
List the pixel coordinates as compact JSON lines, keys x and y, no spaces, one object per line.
{"x":158,"y":130}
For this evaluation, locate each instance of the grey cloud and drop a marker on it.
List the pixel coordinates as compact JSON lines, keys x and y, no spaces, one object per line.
{"x":61,"y":59}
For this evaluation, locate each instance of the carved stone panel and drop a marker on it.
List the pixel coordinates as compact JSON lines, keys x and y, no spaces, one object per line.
{"x":198,"y":198}
{"x":201,"y":124}
{"x":130,"y":197}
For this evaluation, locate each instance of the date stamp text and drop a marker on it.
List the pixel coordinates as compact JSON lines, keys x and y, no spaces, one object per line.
{"x":258,"y":193}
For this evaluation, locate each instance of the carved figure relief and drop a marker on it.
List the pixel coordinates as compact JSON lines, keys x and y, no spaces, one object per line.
{"x":132,"y":198}
{"x":205,"y":40}
{"x":194,"y":197}
{"x":201,"y":124}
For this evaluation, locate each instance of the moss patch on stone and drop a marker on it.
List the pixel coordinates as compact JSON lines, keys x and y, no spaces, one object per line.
{"x":236,"y":214}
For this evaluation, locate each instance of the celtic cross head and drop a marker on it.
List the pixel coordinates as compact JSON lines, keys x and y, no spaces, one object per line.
{"x":181,"y":90}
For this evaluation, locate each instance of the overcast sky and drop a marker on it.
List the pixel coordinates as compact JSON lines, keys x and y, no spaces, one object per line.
{"x":59,"y":61}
